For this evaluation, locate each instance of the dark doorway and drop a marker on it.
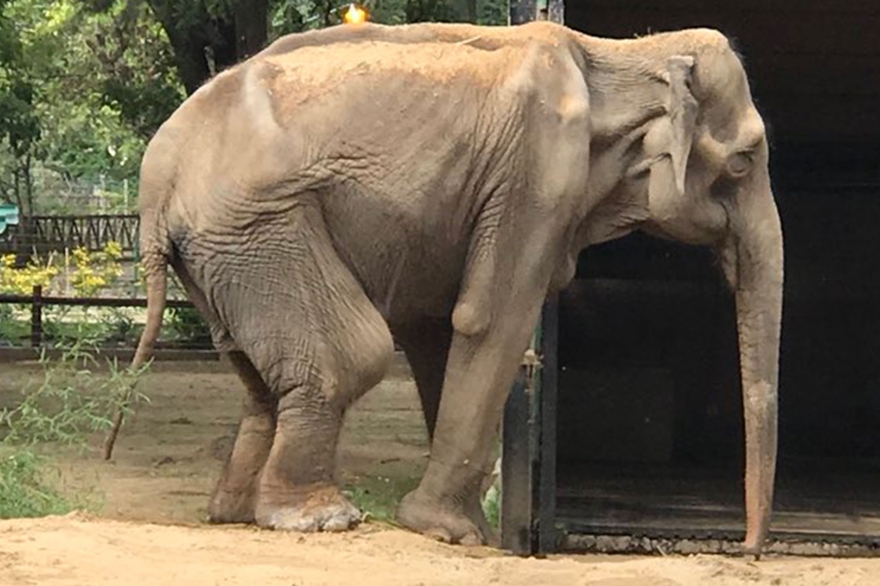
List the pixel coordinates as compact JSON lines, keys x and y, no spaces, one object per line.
{"x":649,"y":426}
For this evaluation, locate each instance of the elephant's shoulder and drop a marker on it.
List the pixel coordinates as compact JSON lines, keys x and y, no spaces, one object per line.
{"x":549,"y":75}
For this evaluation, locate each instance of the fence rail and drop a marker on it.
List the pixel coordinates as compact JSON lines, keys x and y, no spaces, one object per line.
{"x":37,"y":302}
{"x":44,"y":234}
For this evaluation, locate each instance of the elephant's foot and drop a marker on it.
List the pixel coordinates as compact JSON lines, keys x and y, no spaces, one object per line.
{"x":443,"y":521}
{"x":308,"y":509}
{"x":231,"y":506}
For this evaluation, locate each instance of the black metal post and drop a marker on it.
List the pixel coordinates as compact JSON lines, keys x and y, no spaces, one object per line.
{"x":528,"y":460}
{"x":548,"y":538}
{"x":516,"y":471}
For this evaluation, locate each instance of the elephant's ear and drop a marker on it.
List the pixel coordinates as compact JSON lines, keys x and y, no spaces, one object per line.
{"x":670,"y":140}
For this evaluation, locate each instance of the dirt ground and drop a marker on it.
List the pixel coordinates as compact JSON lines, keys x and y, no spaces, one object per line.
{"x":151,"y":527}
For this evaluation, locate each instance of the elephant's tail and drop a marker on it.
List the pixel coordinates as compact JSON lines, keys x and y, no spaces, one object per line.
{"x":155,"y":261}
{"x":155,"y":250}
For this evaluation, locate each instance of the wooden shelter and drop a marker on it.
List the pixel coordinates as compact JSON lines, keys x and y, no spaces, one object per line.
{"x":634,"y":425}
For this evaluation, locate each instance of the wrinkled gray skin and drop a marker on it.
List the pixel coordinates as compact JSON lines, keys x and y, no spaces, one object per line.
{"x":437,"y":182}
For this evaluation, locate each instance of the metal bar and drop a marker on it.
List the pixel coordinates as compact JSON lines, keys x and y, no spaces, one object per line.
{"x":36,"y":317}
{"x":631,"y":542}
{"x":578,"y":526}
{"x":516,"y":471}
{"x":548,"y":535}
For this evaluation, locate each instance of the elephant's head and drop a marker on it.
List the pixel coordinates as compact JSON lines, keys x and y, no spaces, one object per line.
{"x":695,"y":168}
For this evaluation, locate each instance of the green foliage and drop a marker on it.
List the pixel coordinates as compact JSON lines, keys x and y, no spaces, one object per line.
{"x":70,"y":403}
{"x":80,"y":274}
{"x":12,"y":331}
{"x":378,"y":496}
{"x":492,"y":506}
{"x":84,"y":84}
{"x":187,"y":325}
{"x":28,"y":488}
{"x":19,"y":127}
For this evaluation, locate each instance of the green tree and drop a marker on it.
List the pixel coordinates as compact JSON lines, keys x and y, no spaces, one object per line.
{"x":84,"y":84}
{"x":19,"y":124}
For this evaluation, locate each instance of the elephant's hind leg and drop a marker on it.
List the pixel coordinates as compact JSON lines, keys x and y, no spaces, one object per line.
{"x":318,"y":343}
{"x":235,"y":497}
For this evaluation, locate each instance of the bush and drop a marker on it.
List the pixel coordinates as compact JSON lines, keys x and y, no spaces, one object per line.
{"x":26,"y":490}
{"x":65,"y":407}
{"x":187,"y":325}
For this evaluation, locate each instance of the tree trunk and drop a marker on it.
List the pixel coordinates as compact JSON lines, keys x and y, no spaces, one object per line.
{"x":187,"y":43}
{"x":465,"y":10}
{"x":231,"y":37}
{"x":28,"y":184}
{"x":251,"y":18}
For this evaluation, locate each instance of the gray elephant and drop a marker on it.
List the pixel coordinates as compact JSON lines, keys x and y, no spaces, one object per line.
{"x":434,"y":183}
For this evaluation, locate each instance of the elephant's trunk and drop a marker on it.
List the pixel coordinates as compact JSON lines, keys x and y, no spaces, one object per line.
{"x":755,"y":249}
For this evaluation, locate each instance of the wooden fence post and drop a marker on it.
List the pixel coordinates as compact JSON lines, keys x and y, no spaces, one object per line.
{"x":37,"y":317}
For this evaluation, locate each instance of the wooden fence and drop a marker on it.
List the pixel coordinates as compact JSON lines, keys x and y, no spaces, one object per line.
{"x":38,"y":302}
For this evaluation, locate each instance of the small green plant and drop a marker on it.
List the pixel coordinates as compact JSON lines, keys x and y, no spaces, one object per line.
{"x":27,"y":489}
{"x":69,"y":403}
{"x":12,"y":330}
{"x":378,"y":496}
{"x":120,"y":327}
{"x":492,"y":506}
{"x":188,"y":325}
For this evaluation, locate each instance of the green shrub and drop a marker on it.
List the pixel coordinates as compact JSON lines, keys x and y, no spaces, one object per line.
{"x":67,"y":405}
{"x":187,"y":325}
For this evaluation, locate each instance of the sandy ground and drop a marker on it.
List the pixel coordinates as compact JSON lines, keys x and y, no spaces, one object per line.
{"x":150,"y":529}
{"x":72,"y":550}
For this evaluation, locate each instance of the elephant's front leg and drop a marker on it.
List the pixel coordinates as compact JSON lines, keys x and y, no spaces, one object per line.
{"x":426,"y":344}
{"x":479,"y":376}
{"x":493,"y":321}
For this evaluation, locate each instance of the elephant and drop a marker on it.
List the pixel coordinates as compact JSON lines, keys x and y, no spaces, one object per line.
{"x":431,"y":185}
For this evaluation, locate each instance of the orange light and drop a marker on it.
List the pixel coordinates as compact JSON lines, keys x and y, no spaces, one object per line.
{"x":355,"y":14}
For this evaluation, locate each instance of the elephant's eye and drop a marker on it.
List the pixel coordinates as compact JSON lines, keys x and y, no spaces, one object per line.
{"x":740,"y":163}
